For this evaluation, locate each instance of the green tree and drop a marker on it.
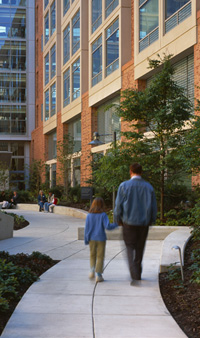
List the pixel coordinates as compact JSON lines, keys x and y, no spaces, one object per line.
{"x":157,"y":117}
{"x":65,"y":150}
{"x":36,"y":172}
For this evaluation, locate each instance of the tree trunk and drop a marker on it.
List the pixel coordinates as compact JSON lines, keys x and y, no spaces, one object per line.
{"x":162,"y":195}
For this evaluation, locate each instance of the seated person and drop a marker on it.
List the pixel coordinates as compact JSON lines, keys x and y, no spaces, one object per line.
{"x":41,"y":200}
{"x":49,"y":201}
{"x":15,"y":199}
{"x":55,"y":201}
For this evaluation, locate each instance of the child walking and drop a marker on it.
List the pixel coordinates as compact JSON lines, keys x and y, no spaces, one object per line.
{"x":96,"y":223}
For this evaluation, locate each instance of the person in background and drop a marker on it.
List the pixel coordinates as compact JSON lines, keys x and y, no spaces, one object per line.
{"x":55,"y":201}
{"x":135,"y":209}
{"x":15,"y":199}
{"x":41,"y":200}
{"x":49,"y":201}
{"x":96,"y":223}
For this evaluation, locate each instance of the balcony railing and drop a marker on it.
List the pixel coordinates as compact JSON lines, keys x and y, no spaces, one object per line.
{"x":175,"y":19}
{"x":148,"y":39}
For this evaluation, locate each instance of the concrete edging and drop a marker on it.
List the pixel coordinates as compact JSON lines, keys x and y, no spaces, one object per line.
{"x":6,"y":226}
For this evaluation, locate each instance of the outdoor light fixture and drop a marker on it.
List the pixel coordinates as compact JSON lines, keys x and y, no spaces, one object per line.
{"x":176,"y":247}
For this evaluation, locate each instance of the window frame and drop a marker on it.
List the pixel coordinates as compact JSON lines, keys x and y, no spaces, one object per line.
{"x":75,"y":94}
{"x":75,"y":44}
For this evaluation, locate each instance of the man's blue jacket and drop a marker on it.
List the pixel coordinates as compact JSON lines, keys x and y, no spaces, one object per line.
{"x":135,"y":203}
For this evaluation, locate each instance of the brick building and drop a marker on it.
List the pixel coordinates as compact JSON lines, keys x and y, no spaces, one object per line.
{"x":91,"y":51}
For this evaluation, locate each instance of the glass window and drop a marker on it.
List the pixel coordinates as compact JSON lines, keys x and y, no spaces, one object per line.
{"x":97,"y":61}
{"x":53,"y":17}
{"x":108,"y":121}
{"x":74,"y":129}
{"x":148,"y":17}
{"x":46,"y":28}
{"x":76,"y":79}
{"x":53,"y":99}
{"x":66,"y":88}
{"x":110,"y":5}
{"x":96,"y":14}
{"x":112,"y":48}
{"x":66,"y":44}
{"x":53,"y":61}
{"x":19,"y":3}
{"x":47,"y":105}
{"x":66,"y":6}
{"x":46,"y":2}
{"x":13,"y":87}
{"x":46,"y":60}
{"x":18,"y":55}
{"x":172,"y":6}
{"x":76,"y":32}
{"x":52,"y":145}
{"x":12,"y":23}
{"x":13,"y":119}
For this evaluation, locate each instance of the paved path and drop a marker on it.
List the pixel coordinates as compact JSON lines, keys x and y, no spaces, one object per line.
{"x":65,"y":303}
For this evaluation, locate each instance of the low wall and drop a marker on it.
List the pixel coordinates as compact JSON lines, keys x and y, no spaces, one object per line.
{"x":6,"y":226}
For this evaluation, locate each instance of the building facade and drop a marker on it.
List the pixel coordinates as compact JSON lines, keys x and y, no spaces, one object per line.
{"x":17,"y":89}
{"x":91,"y":51}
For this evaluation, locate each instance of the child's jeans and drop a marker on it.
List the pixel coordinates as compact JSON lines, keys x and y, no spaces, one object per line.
{"x":97,"y":254}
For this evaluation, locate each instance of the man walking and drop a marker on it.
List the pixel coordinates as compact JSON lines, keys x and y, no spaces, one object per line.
{"x":135,"y":210}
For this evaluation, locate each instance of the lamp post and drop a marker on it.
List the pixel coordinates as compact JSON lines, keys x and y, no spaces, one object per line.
{"x":97,"y":142}
{"x":176,"y":247}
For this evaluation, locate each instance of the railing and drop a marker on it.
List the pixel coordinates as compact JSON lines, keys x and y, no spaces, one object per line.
{"x":96,"y":79}
{"x":149,"y":39}
{"x":175,"y":19}
{"x":112,"y":67}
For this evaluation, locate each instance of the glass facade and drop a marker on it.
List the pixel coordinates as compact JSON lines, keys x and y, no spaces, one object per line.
{"x":12,"y":87}
{"x":96,"y":14}
{"x":12,"y":55}
{"x":112,"y":48}
{"x":13,"y":119}
{"x":53,"y":17}
{"x":66,"y":88}
{"x":12,"y":23}
{"x":76,"y":79}
{"x":110,"y":5}
{"x":76,"y":32}
{"x":53,"y":61}
{"x":66,"y":44}
{"x":97,"y":61}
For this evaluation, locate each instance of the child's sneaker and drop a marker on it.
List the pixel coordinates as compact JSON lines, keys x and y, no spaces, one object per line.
{"x":91,"y":275}
{"x":99,"y":278}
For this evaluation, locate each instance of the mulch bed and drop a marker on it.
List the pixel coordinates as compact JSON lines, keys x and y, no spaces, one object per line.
{"x":183,"y":299}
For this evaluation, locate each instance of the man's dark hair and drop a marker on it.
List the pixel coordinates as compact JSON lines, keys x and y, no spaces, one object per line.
{"x":136,"y":168}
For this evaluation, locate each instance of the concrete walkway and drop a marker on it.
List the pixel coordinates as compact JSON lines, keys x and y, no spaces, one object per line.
{"x":65,"y":303}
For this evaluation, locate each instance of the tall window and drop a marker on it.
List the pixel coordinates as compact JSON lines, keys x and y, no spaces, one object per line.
{"x":13,"y":87}
{"x":12,"y":55}
{"x":97,"y":61}
{"x":66,"y":44}
{"x":76,"y":79}
{"x":110,"y":5}
{"x":96,"y":14}
{"x":47,"y":105}
{"x":74,"y":129}
{"x":112,"y":48}
{"x":108,"y":121}
{"x":53,"y":18}
{"x":53,"y":61}
{"x":53,"y":99}
{"x":148,"y":14}
{"x":46,"y":2}
{"x":46,"y":60}
{"x":176,"y":11}
{"x":66,"y":88}
{"x":66,"y":6}
{"x":13,"y":119}
{"x":46,"y":28}
{"x":76,"y":32}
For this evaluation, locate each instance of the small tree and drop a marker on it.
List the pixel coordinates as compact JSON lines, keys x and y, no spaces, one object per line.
{"x":64,"y":154}
{"x":4,"y":176}
{"x":36,"y":171}
{"x":156,"y":117}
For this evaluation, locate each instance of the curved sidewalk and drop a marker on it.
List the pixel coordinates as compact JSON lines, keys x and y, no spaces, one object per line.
{"x":65,"y":303}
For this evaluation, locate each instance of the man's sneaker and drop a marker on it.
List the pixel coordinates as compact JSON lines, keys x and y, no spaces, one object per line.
{"x":99,"y":279}
{"x":91,"y":275}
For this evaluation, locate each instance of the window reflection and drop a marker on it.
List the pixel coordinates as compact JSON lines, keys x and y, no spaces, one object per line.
{"x":12,"y":119}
